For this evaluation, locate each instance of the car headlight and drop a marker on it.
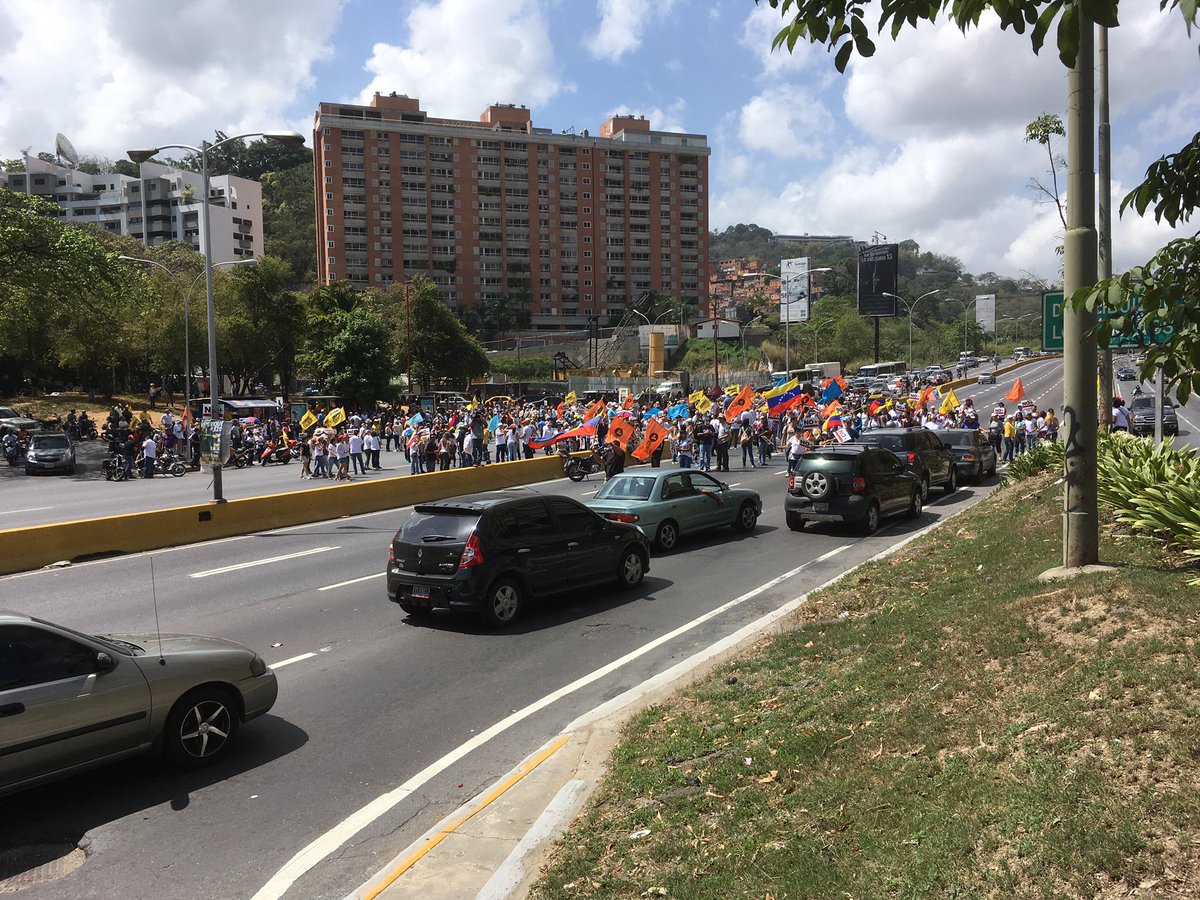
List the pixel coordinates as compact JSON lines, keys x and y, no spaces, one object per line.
{"x":258,"y":666}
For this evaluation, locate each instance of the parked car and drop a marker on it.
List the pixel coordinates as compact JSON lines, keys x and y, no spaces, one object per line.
{"x":973,"y":455}
{"x":1142,"y":417}
{"x":494,"y":552}
{"x":852,"y":483}
{"x":71,"y":701}
{"x":671,"y":503}
{"x":49,"y":451}
{"x":922,"y":451}
{"x":986,"y":378}
{"x":11,"y":420}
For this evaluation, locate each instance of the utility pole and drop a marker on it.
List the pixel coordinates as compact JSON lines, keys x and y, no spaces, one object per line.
{"x":1081,"y":536}
{"x":408,"y":337}
{"x":1105,"y":246}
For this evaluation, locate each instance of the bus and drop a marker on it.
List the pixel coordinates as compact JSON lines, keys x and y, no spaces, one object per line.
{"x":809,"y":374}
{"x":882,"y":370}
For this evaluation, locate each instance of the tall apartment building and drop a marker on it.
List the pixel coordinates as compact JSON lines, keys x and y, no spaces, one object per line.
{"x":580,"y":225}
{"x":164,"y":204}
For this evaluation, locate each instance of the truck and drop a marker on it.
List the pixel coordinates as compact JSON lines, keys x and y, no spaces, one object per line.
{"x":831,"y":369}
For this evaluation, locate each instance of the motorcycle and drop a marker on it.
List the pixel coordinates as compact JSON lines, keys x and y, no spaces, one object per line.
{"x":578,"y":468}
{"x":114,"y":467}
{"x":241,"y":457}
{"x":87,"y":430}
{"x":12,"y":449}
{"x":278,"y":454}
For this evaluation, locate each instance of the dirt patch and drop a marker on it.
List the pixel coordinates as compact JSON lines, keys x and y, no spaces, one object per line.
{"x":1078,"y":619}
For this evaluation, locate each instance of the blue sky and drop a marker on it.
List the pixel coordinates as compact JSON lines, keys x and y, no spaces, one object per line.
{"x":923,"y":142}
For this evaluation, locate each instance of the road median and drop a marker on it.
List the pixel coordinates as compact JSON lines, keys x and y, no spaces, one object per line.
{"x":36,"y":546}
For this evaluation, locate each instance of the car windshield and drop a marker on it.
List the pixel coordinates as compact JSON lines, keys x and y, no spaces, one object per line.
{"x":828,"y":462}
{"x":886,"y":441}
{"x":123,"y":647}
{"x":959,"y":438}
{"x":49,"y":442}
{"x":8,"y":413}
{"x":1143,"y":403}
{"x":439,"y":527}
{"x":633,"y":487}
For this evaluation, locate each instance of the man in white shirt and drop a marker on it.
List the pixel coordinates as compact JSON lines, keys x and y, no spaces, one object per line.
{"x":149,"y":452}
{"x":356,"y":457}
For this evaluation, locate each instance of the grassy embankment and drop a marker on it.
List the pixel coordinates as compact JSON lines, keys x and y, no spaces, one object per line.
{"x":937,"y":724}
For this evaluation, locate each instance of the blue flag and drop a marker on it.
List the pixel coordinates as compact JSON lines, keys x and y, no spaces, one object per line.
{"x":678,"y":411}
{"x":416,"y":420}
{"x":493,"y":423}
{"x":832,"y":391}
{"x":651,"y":413}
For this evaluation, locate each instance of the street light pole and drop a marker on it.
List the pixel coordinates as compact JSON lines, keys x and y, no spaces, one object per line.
{"x":287,"y":138}
{"x":816,"y":331}
{"x":909,"y":307}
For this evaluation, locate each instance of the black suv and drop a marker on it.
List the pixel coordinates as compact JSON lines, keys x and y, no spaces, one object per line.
{"x":493,"y":552}
{"x":850,"y":483}
{"x":1141,"y":417}
{"x":922,"y":451}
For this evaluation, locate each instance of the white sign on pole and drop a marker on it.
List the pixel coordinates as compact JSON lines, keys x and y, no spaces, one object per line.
{"x":985,"y":312}
{"x":793,"y":290}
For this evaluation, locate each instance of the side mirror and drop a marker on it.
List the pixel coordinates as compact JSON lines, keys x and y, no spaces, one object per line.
{"x":104,"y":662}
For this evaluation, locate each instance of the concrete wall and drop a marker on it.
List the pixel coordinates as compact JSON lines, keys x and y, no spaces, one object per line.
{"x":22,"y":549}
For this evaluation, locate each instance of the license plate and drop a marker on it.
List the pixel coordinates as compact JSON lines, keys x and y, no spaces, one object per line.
{"x":820,"y":507}
{"x":420,"y":593}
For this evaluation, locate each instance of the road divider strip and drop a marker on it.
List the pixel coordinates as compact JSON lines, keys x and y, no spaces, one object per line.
{"x":341,"y":584}
{"x":35,"y":546}
{"x":237,"y":567}
{"x":288,"y":662}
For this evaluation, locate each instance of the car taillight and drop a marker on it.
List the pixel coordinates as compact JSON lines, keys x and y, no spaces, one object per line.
{"x":472,"y":554}
{"x":858,"y":484}
{"x":391,"y":553}
{"x":791,"y":482}
{"x":912,"y":459}
{"x":967,"y":457}
{"x":630,"y":518}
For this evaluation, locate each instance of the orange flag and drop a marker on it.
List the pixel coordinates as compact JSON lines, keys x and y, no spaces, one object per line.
{"x":620,"y":430}
{"x":594,"y":410}
{"x":926,"y":395}
{"x":740,"y":403}
{"x":654,"y":435}
{"x":628,"y":404}
{"x":1016,"y":394}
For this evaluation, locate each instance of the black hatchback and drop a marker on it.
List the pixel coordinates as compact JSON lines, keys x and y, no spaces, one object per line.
{"x":494,"y":552}
{"x":850,"y":483}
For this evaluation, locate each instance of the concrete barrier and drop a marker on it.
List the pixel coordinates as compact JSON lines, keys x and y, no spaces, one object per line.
{"x":22,"y":549}
{"x":966,"y":382}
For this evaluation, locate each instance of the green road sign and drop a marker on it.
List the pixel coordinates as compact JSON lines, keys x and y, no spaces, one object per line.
{"x":1052,"y":326}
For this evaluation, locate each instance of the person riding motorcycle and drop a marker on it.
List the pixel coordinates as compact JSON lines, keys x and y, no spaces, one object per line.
{"x":12,"y":447}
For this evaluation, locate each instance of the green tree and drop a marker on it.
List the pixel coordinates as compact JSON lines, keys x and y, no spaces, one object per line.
{"x":354,"y":361}
{"x":288,"y":227}
{"x":442,"y":349}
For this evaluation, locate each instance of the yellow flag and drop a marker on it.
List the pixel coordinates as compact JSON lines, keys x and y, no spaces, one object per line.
{"x":695,"y":396}
{"x":949,"y":403}
{"x":703,"y":405}
{"x":308,"y":420}
{"x":335,"y":417}
{"x":474,"y":404}
{"x":732,"y":390}
{"x":570,"y":398}
{"x":781,"y":389}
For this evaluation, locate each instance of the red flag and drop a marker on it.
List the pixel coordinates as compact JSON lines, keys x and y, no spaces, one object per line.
{"x":560,"y":406}
{"x":874,"y":407}
{"x":620,"y":430}
{"x":1016,"y":394}
{"x":587,"y":429}
{"x":628,"y":404}
{"x":655,"y":434}
{"x":740,"y":403}
{"x":925,"y":395}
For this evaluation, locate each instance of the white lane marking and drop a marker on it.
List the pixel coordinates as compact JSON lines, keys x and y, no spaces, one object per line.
{"x":288,"y":662}
{"x":260,"y":562}
{"x":311,"y":855}
{"x":330,"y":587}
{"x":590,"y":493}
{"x":13,"y":512}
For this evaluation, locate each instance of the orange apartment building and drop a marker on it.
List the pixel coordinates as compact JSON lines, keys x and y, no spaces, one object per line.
{"x":580,"y":225}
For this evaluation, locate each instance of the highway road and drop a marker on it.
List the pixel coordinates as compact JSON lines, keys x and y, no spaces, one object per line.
{"x":369,"y":699}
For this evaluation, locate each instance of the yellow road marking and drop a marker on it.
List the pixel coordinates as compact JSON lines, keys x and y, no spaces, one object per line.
{"x":496,"y":793}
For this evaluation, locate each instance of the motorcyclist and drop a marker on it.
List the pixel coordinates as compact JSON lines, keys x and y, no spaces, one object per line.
{"x":12,"y":447}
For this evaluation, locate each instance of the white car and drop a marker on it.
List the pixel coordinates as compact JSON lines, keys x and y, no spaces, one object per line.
{"x":986,"y":378}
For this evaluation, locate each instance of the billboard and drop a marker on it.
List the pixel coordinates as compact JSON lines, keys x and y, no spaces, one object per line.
{"x":985,"y":313}
{"x":878,"y":271}
{"x":793,"y":290}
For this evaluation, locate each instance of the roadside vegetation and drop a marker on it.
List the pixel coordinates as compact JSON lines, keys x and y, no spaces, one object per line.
{"x":937,"y":723}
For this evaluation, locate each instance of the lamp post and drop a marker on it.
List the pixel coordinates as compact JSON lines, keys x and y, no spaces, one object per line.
{"x":816,"y":331}
{"x":187,"y":299}
{"x":909,"y":307}
{"x":139,"y":156}
{"x":742,"y":335}
{"x":645,"y":319}
{"x":966,"y":306}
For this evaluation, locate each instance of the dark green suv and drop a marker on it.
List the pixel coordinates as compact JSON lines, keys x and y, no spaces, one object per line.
{"x":851,"y":483}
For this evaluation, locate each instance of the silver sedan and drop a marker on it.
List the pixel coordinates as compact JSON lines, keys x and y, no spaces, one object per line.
{"x":71,"y":701}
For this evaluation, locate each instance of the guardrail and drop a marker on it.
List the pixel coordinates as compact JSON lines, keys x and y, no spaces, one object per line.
{"x":964,"y":382}
{"x":35,"y":546}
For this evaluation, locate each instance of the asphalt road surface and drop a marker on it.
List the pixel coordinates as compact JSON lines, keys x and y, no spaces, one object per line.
{"x":369,"y":698}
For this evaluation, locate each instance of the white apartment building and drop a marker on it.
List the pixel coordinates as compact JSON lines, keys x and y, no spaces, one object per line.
{"x":164,"y":204}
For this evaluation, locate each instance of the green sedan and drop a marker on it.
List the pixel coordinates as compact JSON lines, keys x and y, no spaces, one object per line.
{"x":675,"y":502}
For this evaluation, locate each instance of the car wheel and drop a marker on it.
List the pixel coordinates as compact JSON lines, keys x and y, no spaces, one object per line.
{"x":747,"y":517}
{"x":28,"y":471}
{"x":870,"y":522}
{"x":992,"y":470}
{"x":200,"y":727}
{"x":631,"y":570}
{"x":668,"y":535}
{"x":924,"y":489}
{"x":916,"y":506}
{"x":816,"y":485}
{"x":794,"y":522}
{"x":952,"y":482}
{"x":503,"y":603}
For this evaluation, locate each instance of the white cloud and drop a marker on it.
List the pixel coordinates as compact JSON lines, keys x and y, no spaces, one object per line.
{"x":117,"y":75}
{"x":669,"y":118}
{"x":759,"y":30}
{"x":463,"y":55}
{"x":621,"y":25}
{"x":787,"y":121}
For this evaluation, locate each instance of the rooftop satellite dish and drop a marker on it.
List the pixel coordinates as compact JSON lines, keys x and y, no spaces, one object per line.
{"x":65,"y":149}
